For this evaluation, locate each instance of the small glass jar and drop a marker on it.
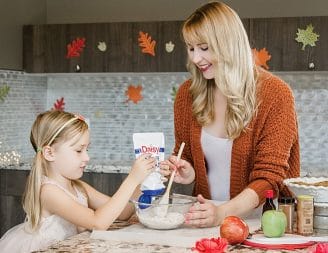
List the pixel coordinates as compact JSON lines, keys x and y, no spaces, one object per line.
{"x":287,"y":205}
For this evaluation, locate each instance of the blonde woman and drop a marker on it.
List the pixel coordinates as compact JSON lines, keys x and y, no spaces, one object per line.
{"x":56,"y":202}
{"x":237,"y":120}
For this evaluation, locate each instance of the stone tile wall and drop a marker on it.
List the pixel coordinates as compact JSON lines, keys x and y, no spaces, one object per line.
{"x":101,"y":98}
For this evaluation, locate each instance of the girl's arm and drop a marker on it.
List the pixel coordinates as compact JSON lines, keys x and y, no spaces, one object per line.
{"x":56,"y":201}
{"x":97,"y":199}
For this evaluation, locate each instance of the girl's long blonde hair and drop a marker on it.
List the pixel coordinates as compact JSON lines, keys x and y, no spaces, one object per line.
{"x":47,"y":129}
{"x":235,"y":75}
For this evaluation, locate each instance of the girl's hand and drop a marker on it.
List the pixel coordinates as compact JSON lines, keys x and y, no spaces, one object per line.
{"x":142,"y":167}
{"x":185,"y":173}
{"x":203,"y":214}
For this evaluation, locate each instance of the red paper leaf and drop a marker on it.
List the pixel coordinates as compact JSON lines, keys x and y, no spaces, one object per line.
{"x":261,"y":57}
{"x":75,"y":48}
{"x":319,"y":248}
{"x":59,"y":104}
{"x":134,"y":93}
{"x":147,"y":45}
{"x":212,"y":245}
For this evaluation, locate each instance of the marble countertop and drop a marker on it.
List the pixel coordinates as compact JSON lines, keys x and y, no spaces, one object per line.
{"x":84,"y":243}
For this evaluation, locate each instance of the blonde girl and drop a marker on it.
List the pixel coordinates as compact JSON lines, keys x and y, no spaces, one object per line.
{"x":56,"y":202}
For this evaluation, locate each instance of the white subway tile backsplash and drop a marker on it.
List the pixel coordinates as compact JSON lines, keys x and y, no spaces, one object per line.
{"x":101,"y":98}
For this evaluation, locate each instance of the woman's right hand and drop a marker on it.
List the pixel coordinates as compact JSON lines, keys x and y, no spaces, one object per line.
{"x":185,"y":173}
{"x":142,"y":167}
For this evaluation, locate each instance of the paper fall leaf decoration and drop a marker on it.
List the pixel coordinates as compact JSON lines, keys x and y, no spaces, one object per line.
{"x":75,"y":48}
{"x":98,"y":114}
{"x":102,"y":46}
{"x":319,"y":248}
{"x":59,"y":105}
{"x":134,"y":93}
{"x":147,"y":45}
{"x":211,"y":245}
{"x":307,"y":36}
{"x":174,"y":92}
{"x":4,"y":90}
{"x":261,"y":57}
{"x":169,"y":47}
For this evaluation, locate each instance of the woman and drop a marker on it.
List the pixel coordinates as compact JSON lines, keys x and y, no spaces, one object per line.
{"x":237,"y":120}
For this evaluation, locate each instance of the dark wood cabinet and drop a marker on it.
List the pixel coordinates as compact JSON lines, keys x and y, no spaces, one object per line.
{"x":12,"y":185}
{"x":278,"y":35}
{"x":45,"y":46}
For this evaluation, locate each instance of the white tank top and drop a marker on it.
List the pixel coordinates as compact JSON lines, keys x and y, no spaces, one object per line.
{"x":217,"y":153}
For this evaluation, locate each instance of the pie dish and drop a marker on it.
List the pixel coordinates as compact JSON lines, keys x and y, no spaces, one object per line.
{"x":314,"y":186}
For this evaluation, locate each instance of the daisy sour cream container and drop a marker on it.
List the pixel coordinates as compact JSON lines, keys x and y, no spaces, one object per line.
{"x":150,"y":143}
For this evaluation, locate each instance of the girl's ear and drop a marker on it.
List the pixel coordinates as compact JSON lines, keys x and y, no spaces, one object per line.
{"x":48,"y":153}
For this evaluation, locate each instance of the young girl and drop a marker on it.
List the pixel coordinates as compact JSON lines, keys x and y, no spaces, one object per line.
{"x":56,"y":202}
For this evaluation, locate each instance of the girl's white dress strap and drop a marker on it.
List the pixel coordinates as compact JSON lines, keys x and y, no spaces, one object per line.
{"x":80,"y":197}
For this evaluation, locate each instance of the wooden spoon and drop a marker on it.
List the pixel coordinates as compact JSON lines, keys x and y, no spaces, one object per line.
{"x":163,"y":203}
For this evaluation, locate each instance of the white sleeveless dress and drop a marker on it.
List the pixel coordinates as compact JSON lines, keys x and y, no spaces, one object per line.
{"x":52,"y":229}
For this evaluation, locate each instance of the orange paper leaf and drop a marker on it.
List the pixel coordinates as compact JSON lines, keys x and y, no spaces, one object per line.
{"x":134,"y":93}
{"x":147,"y":45}
{"x":261,"y":57}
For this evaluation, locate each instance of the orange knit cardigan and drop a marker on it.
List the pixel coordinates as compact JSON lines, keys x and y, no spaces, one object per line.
{"x":263,"y":155}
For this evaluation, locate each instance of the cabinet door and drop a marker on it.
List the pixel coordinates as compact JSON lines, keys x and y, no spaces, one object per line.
{"x":278,"y":35}
{"x":45,"y":46}
{"x":162,"y":61}
{"x":33,"y":49}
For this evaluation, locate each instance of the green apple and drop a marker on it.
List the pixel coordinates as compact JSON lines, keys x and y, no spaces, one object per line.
{"x":273,"y":223}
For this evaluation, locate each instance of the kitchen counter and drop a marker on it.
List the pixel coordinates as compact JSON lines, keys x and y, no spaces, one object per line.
{"x":84,"y":243}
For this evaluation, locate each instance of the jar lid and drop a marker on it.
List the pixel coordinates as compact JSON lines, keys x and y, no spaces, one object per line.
{"x":269,"y":193}
{"x":305,"y":197}
{"x":286,"y":200}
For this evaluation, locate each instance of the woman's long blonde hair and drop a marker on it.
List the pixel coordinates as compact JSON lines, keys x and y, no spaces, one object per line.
{"x":50,"y":127}
{"x":235,"y":75}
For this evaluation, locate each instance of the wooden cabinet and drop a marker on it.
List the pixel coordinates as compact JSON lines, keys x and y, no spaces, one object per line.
{"x":45,"y":46}
{"x":278,"y":35}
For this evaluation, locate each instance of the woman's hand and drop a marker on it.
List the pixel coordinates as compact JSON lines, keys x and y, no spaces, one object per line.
{"x":206,"y":214}
{"x":203,"y":214}
{"x":185,"y":173}
{"x":142,"y":167}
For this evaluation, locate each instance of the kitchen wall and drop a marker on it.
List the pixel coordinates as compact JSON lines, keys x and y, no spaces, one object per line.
{"x":81,"y":11}
{"x":16,"y":13}
{"x":101,"y":98}
{"x":26,"y":97}
{"x":13,"y":15}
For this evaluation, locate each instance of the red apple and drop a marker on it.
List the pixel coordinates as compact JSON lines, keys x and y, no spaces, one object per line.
{"x":234,"y":229}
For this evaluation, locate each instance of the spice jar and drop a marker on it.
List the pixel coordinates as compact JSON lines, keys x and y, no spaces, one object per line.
{"x":287,"y":205}
{"x":305,"y":209}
